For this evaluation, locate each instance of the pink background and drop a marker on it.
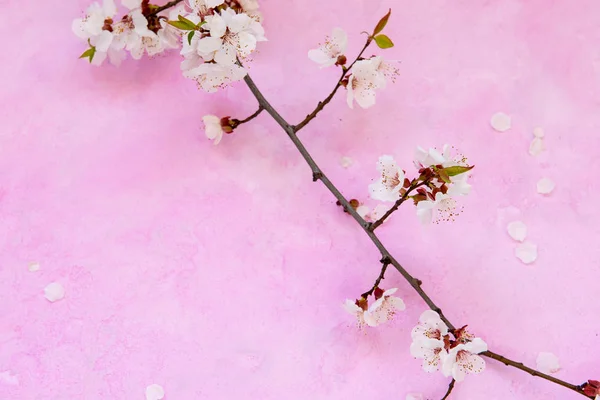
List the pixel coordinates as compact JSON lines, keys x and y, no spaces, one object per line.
{"x":219,"y":271}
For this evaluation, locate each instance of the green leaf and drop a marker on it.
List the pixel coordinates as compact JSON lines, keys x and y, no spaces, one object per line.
{"x":457,"y":170}
{"x":383,"y":42}
{"x":89,"y":53}
{"x":382,"y":23}
{"x":443,"y":175}
{"x":190,"y":37}
{"x":186,"y":25}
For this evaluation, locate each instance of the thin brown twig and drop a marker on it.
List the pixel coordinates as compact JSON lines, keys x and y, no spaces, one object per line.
{"x":327,"y":99}
{"x":384,"y":264}
{"x":450,"y":387}
{"x":318,"y":174}
{"x":398,"y":203}
{"x":164,"y":7}
{"x":238,"y":122}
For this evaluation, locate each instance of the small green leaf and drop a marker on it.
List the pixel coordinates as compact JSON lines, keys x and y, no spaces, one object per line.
{"x":457,"y":170}
{"x":443,"y":175}
{"x":184,"y":19}
{"x":190,"y":36}
{"x":382,"y":23}
{"x":383,"y":42}
{"x":89,"y":53}
{"x":186,"y":25}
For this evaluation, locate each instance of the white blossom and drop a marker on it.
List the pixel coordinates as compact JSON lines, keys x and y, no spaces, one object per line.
{"x":442,"y":208}
{"x":93,"y":22}
{"x":463,"y":359}
{"x":363,"y":82}
{"x":432,"y":157}
{"x":231,"y":35}
{"x":379,"y":312}
{"x":428,"y":340}
{"x":387,"y":188}
{"x":547,"y":363}
{"x":54,"y":292}
{"x":211,"y":77}
{"x":213,"y":128}
{"x":327,"y":54}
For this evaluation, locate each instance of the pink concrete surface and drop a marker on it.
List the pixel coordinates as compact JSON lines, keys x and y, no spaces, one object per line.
{"x":219,"y":272}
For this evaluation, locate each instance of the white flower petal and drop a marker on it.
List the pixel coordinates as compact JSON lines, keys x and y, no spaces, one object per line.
{"x":547,"y":363}
{"x":321,"y":58}
{"x":346,"y":161}
{"x":501,"y":122}
{"x":545,"y":186}
{"x":476,"y":346}
{"x":351,"y":307}
{"x":538,"y":132}
{"x":517,"y":230}
{"x":414,"y":396}
{"x":362,"y":210}
{"x":536,"y":147}
{"x":54,"y":292}
{"x":131,"y":4}
{"x":154,"y":392}
{"x":34,"y":267}
{"x":526,"y":252}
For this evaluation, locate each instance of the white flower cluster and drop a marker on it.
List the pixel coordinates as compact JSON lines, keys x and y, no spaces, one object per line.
{"x":431,"y":342}
{"x":382,"y":310}
{"x":442,"y":178}
{"x":214,"y":33}
{"x":367,"y":75}
{"x":137,"y":32}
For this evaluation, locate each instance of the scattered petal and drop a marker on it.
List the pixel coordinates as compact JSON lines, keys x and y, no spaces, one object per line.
{"x":8,"y":378}
{"x":414,"y":396}
{"x":547,"y":363}
{"x":501,"y":122}
{"x":54,"y":292}
{"x":538,"y":132}
{"x":154,"y":392}
{"x":34,"y":267}
{"x":517,"y":230}
{"x":346,"y":161}
{"x":526,"y":252}
{"x":545,"y":186}
{"x":536,"y":147}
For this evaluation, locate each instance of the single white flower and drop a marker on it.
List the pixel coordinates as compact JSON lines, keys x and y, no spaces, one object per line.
{"x":213,"y":128}
{"x":363,"y":82}
{"x":327,"y":54}
{"x":211,"y":77}
{"x":96,"y":16}
{"x":442,"y":208}
{"x":463,"y":359}
{"x":384,"y":308}
{"x":379,"y":312}
{"x":428,"y":340}
{"x":231,"y":35}
{"x":547,"y":363}
{"x":387,"y":188}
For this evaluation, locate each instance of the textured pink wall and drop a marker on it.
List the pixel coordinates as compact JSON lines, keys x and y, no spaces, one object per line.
{"x":219,"y":271}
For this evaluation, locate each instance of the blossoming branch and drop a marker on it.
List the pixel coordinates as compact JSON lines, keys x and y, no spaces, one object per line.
{"x":215,"y":38}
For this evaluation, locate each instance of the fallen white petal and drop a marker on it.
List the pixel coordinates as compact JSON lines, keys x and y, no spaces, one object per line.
{"x":538,"y":132}
{"x":501,"y":122}
{"x":536,"y":147}
{"x":526,"y":252}
{"x":517,"y":230}
{"x":547,"y":363}
{"x":34,"y":267}
{"x":545,"y":186}
{"x":346,"y":162}
{"x":414,"y":396}
{"x":8,"y":378}
{"x":54,"y":292}
{"x":154,"y":392}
